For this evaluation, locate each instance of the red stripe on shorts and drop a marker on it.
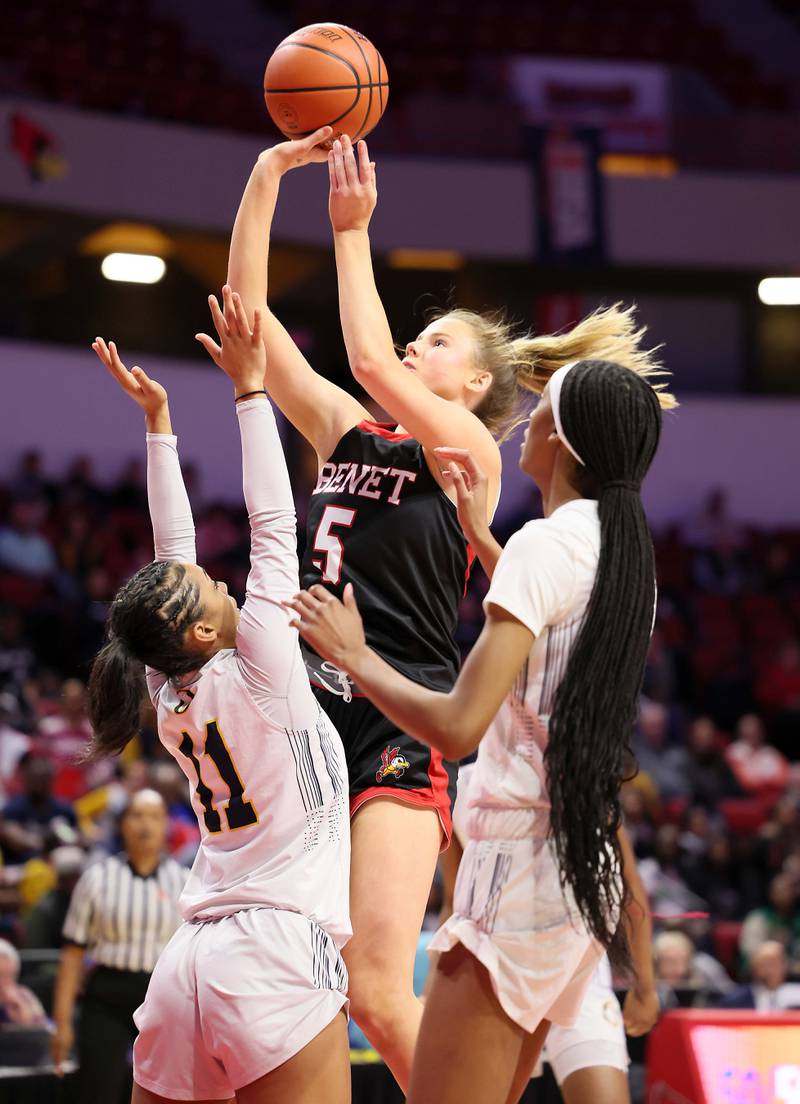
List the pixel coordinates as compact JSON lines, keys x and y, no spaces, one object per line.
{"x":436,"y":798}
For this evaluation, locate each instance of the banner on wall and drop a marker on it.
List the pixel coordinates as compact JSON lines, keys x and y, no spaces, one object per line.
{"x":628,"y":102}
{"x":569,"y":195}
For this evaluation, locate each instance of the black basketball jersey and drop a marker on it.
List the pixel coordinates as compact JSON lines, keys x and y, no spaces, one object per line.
{"x":379,"y":520}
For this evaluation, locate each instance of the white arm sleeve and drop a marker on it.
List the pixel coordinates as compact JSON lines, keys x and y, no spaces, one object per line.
{"x":170,"y":515}
{"x":268,"y":649}
{"x":170,"y":512}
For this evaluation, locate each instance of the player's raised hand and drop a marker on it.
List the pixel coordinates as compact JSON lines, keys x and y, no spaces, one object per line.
{"x":333,"y":628}
{"x":240,"y":354}
{"x":146,"y":392}
{"x":354,"y":188}
{"x":472,"y":491}
{"x":298,"y":152}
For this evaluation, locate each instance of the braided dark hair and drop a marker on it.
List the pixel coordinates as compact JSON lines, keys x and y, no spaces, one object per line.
{"x":146,"y":625}
{"x":611,"y":416}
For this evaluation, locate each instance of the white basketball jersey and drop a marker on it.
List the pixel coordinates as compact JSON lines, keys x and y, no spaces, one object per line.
{"x":270,"y":800}
{"x":266,"y":768}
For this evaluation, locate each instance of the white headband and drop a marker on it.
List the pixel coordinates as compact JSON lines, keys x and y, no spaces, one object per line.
{"x":554,"y":390}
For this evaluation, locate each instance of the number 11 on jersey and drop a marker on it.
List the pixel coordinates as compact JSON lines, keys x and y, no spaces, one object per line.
{"x":327,"y":541}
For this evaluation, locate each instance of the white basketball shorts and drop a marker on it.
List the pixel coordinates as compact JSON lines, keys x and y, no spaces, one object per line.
{"x":233,"y":998}
{"x":597,"y":1038}
{"x":510,"y":913}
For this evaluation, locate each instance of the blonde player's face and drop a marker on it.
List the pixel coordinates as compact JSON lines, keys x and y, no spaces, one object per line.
{"x":540,"y":443}
{"x":443,"y":357}
{"x":220,"y":612}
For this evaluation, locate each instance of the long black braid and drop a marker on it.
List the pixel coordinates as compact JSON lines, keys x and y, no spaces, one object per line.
{"x":146,"y":626}
{"x":611,"y":417}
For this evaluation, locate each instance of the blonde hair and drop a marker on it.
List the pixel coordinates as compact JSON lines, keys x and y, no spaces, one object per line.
{"x":525,"y":362}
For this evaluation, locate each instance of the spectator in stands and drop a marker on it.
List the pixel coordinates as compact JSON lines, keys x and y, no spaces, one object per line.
{"x":778,"y":691}
{"x":768,"y":991}
{"x":665,"y":765}
{"x":759,"y":768}
{"x":710,"y":779}
{"x":123,"y":911}
{"x":216,"y":535}
{"x":639,"y":824}
{"x":80,"y":485}
{"x":64,"y":736}
{"x":713,"y":525}
{"x":679,"y":965}
{"x":23,"y":549}
{"x":44,"y":923}
{"x":13,"y":743}
{"x":780,"y":836}
{"x":17,"y":660}
{"x":28,"y":817}
{"x":664,"y":875}
{"x":29,"y":480}
{"x":779,"y":920}
{"x":130,"y":490}
{"x":722,"y":880}
{"x":18,"y":1005}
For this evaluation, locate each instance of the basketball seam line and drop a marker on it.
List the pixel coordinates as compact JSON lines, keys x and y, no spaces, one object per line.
{"x":322,"y":50}
{"x":322,"y":88}
{"x":369,"y":74}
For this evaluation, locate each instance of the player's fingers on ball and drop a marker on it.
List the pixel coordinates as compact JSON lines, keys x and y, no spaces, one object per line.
{"x":338,"y":163}
{"x":364,"y":171}
{"x":350,"y":165}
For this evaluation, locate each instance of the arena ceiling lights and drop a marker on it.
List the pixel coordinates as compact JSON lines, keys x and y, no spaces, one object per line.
{"x":780,"y":291}
{"x":133,"y":268}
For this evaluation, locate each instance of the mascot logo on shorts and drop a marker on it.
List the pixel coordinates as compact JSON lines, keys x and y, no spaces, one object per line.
{"x":393,"y":764}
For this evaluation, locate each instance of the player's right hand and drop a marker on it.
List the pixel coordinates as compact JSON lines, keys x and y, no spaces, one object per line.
{"x":297,"y":152}
{"x":472,"y":491}
{"x":61,"y":1043}
{"x":640,"y":1011}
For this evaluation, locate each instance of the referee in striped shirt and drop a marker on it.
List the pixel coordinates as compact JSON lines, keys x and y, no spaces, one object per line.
{"x":123,"y":911}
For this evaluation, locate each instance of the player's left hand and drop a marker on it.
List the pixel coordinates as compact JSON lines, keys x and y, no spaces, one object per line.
{"x":354,"y":188}
{"x":241,"y":354}
{"x":640,"y":1011}
{"x":333,"y":628}
{"x":146,"y":392}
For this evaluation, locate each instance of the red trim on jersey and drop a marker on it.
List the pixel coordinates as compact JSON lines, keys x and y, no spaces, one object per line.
{"x":436,"y":798}
{"x":470,"y":561}
{"x":383,"y":429}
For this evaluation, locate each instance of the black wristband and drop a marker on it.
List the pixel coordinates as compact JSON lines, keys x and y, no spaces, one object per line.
{"x":247,"y":395}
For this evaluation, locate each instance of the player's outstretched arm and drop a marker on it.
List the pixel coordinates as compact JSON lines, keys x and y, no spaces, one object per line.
{"x":317,"y":408}
{"x":170,"y":511}
{"x":266,"y":644}
{"x":370,"y":349}
{"x":455,"y":722}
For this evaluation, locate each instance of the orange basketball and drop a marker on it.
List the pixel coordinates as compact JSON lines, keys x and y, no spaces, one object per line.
{"x":326,"y":75}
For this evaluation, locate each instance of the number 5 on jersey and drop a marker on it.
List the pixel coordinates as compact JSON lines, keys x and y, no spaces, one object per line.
{"x":327,"y":542}
{"x":239,"y":813}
